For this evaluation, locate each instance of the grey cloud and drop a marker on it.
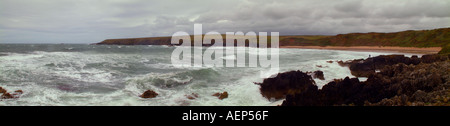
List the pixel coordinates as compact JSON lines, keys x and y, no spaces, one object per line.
{"x":88,"y":21}
{"x":349,"y":6}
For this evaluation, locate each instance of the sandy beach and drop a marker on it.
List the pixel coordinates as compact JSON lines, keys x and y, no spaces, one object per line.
{"x":428,"y":50}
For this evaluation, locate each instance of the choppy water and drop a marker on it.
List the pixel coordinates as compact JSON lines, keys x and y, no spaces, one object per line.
{"x":57,"y":74}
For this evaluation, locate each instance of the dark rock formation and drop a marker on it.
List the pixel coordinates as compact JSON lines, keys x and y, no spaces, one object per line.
{"x":342,"y":63}
{"x":399,"y":85}
{"x":286,"y":83}
{"x":19,"y":91}
{"x":221,"y":95}
{"x":318,"y":74}
{"x":149,"y":94}
{"x":341,"y":91}
{"x":433,"y":58}
{"x":309,"y":97}
{"x":6,"y":95}
{"x":364,"y":68}
{"x":334,"y":93}
{"x":2,"y":90}
{"x":421,"y":84}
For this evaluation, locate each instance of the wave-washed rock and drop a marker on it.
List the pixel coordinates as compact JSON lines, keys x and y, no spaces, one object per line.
{"x":287,"y":83}
{"x":6,"y":95}
{"x":317,"y":74}
{"x":221,"y":96}
{"x":149,"y":94}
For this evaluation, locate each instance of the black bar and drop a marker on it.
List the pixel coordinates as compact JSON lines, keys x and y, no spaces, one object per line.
{"x":174,"y":114}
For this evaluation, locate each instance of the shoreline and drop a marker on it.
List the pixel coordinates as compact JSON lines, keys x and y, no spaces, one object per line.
{"x":417,"y":50}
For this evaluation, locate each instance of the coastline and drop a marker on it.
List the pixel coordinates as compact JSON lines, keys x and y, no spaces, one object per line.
{"x":417,"y":50}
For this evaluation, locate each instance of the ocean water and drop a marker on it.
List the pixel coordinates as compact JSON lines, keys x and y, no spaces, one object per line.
{"x":85,"y":75}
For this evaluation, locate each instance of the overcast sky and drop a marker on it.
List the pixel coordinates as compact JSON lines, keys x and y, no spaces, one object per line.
{"x":91,"y":21}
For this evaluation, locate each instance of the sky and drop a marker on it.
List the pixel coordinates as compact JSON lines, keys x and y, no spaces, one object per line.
{"x":92,"y":21}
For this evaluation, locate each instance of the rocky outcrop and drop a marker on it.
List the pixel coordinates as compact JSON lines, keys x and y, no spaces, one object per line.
{"x":336,"y":92}
{"x":221,"y":96}
{"x":2,"y":90}
{"x":432,"y":58}
{"x":149,"y":94}
{"x":318,"y":74}
{"x":288,"y":83}
{"x":399,"y":84}
{"x":420,"y":98}
{"x":6,"y":95}
{"x":364,"y":68}
{"x":413,"y":84}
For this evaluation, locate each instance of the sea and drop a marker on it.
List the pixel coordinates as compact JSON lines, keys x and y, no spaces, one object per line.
{"x":116,"y":75}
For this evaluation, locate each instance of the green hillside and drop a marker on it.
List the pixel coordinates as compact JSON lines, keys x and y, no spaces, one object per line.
{"x":421,"y":38}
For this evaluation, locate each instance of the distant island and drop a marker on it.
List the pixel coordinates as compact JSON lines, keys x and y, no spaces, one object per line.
{"x":434,"y":40}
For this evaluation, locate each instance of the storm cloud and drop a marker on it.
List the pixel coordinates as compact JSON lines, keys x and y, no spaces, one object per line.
{"x":90,"y":21}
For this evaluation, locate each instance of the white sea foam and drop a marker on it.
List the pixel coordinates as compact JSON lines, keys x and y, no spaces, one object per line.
{"x":229,"y":57}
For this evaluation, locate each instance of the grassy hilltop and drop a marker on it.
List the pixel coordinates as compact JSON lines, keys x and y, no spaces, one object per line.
{"x":421,"y":38}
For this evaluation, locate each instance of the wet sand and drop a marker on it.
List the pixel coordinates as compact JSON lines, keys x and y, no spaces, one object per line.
{"x":427,"y":50}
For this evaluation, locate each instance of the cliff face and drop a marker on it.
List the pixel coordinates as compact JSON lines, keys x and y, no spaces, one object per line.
{"x":423,"y":38}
